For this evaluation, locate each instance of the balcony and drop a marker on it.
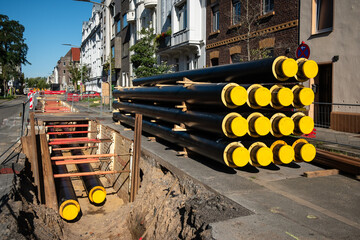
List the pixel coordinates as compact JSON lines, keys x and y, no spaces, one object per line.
{"x":130,"y":16}
{"x":150,"y":3}
{"x":164,"y":42}
{"x":180,"y":37}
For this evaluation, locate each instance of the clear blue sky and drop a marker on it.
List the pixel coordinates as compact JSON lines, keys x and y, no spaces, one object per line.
{"x":48,"y":24}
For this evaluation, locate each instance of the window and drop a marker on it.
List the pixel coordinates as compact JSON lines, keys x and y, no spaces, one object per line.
{"x":215,"y":18}
{"x":188,"y":63}
{"x":176,"y":65}
{"x":182,"y":16}
{"x":119,"y":26}
{"x":64,"y":71}
{"x":214,"y":61}
{"x":324,"y":15}
{"x":235,"y":58}
{"x":113,"y":51}
{"x":268,"y":6}
{"x":125,"y":20}
{"x":236,"y":13}
{"x":64,"y":63}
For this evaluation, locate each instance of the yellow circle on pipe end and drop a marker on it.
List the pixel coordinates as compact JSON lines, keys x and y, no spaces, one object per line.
{"x":238,"y":95}
{"x":306,"y":125}
{"x":240,"y":156}
{"x":262,"y":96}
{"x":264,"y":156}
{"x":98,"y":196}
{"x":307,"y":152}
{"x":306,"y":96}
{"x":289,"y":67}
{"x":239,"y":126}
{"x":286,"y":154}
{"x":70,"y":211}
{"x":286,"y":126}
{"x":262,"y":126}
{"x":285,"y":96}
{"x":310,"y":69}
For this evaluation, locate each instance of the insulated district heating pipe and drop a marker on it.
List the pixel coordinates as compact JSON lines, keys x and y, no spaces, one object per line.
{"x":92,"y":184}
{"x":231,"y":125}
{"x":232,"y":154}
{"x":260,"y":71}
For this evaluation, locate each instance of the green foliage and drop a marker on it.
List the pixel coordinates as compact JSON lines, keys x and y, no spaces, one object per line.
{"x":13,"y":49}
{"x":143,"y":59}
{"x":75,"y":73}
{"x":106,"y":66}
{"x":37,"y":82}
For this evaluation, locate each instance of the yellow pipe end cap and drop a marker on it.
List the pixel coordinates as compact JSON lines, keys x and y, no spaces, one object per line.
{"x":286,"y":126}
{"x":262,"y":96}
{"x":70,"y":211}
{"x":240,"y":156}
{"x":238,"y":95}
{"x":285,"y":96}
{"x":306,"y":125}
{"x":289,"y":67}
{"x":286,"y":154}
{"x":306,"y":96}
{"x":262,"y":126}
{"x":98,"y":196}
{"x":239,"y":126}
{"x":264,"y":156}
{"x":310,"y":69}
{"x":307,"y":152}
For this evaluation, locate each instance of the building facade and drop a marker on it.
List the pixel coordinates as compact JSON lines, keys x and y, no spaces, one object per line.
{"x":243,"y":30}
{"x":92,"y":49}
{"x":184,"y":48}
{"x":72,"y":57}
{"x":327,"y":26}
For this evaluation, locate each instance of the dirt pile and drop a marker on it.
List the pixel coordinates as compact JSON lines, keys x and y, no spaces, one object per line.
{"x":184,"y":214}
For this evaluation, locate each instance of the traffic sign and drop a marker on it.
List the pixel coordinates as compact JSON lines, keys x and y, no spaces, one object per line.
{"x":303,"y":51}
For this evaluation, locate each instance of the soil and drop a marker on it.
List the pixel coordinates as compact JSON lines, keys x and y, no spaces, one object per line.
{"x":186,"y":212}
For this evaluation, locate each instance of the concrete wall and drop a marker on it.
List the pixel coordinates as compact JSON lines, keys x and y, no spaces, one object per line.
{"x":342,"y":41}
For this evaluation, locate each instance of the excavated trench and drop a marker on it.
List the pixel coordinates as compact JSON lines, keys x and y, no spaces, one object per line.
{"x":166,"y":207}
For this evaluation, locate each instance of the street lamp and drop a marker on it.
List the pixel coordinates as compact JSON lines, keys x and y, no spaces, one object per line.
{"x":104,"y":5}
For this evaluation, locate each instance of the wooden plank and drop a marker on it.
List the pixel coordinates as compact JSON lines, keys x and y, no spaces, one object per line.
{"x":83,"y":156}
{"x":79,"y":161}
{"x":25,"y":143}
{"x":88,"y":173}
{"x":73,"y":148}
{"x":67,"y":125}
{"x":34,"y":156}
{"x":321,"y":173}
{"x":135,"y":180}
{"x":49,"y":183}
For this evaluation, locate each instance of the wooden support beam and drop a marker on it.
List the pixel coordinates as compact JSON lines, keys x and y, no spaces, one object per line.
{"x":135,"y":180}
{"x":49,"y":183}
{"x":88,"y":173}
{"x":25,"y":143}
{"x":68,"y":139}
{"x":83,"y":156}
{"x":321,"y":173}
{"x":34,"y":155}
{"x":72,"y":132}
{"x":68,"y":125}
{"x":73,"y":148}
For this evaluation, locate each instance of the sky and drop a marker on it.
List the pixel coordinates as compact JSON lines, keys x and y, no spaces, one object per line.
{"x":48,"y":24}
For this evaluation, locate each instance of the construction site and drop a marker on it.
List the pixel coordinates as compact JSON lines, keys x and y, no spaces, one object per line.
{"x":226,"y":152}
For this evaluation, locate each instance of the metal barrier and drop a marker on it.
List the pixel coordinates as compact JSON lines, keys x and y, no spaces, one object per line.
{"x":322,"y":112}
{"x":95,"y":102}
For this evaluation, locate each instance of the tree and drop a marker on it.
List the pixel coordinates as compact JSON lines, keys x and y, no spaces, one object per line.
{"x":37,"y":82}
{"x":76,"y":71}
{"x":246,"y":22}
{"x":13,"y":49}
{"x":144,"y":59}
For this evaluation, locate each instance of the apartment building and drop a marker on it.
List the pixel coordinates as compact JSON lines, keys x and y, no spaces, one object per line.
{"x":328,"y":27}
{"x":243,"y":30}
{"x":63,"y":76}
{"x":92,"y":49}
{"x":181,"y":25}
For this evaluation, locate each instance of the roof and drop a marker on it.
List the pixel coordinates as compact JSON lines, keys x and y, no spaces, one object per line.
{"x":75,"y":54}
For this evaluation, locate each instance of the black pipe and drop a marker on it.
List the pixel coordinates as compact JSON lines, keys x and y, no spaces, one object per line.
{"x":232,"y":154}
{"x":218,"y":94}
{"x":259,"y":71}
{"x":92,"y":184}
{"x":69,"y":207}
{"x":229,"y":124}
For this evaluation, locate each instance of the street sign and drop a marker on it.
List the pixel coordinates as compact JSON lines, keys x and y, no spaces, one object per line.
{"x":303,"y":51}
